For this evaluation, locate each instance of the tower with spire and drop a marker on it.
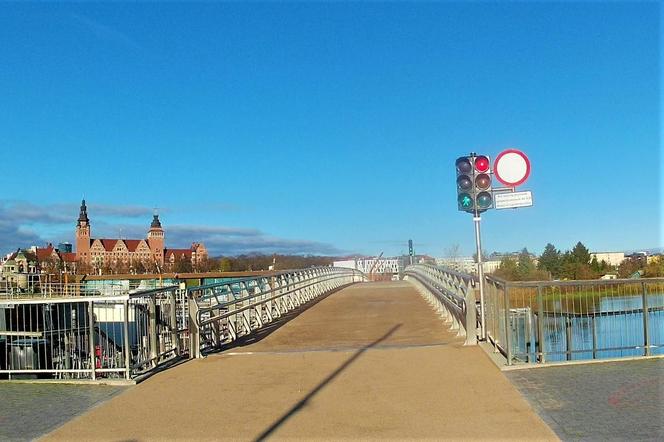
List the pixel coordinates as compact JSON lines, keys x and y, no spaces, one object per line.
{"x":156,"y":239}
{"x":83,"y":234}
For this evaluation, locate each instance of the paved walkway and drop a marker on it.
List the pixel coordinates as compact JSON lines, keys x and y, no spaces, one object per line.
{"x":371,"y":361}
{"x":608,"y":401}
{"x":28,"y":411}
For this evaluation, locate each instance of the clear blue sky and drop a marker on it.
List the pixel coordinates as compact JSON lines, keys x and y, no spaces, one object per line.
{"x":329,"y":128}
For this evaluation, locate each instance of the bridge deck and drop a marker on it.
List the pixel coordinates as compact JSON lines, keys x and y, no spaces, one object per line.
{"x":371,"y":361}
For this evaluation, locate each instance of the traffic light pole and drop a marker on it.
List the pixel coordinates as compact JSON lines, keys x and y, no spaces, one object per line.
{"x":480,"y":271}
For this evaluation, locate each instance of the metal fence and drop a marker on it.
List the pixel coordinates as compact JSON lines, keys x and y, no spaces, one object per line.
{"x":548,"y":321}
{"x":104,"y":334}
{"x":224,"y":312}
{"x":90,"y":336}
{"x":451,"y":293}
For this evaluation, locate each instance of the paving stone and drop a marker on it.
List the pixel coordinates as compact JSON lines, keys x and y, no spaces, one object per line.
{"x":28,"y":411}
{"x":608,"y":401}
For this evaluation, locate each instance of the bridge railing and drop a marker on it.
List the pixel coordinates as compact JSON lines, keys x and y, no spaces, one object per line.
{"x":90,"y":335}
{"x":223,"y":312}
{"x":451,"y":293}
{"x":547,"y":321}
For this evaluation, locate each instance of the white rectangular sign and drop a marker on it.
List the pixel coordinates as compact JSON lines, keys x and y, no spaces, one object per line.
{"x":510,"y":200}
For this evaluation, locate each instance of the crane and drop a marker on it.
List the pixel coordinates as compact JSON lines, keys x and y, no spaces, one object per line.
{"x":374,"y":265}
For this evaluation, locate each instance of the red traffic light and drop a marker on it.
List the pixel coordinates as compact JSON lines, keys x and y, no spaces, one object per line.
{"x":481,"y":164}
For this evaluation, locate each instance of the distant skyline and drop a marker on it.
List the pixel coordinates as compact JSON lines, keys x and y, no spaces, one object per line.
{"x":330,"y":128}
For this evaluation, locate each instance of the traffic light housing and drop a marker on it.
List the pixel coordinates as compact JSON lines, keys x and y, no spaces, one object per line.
{"x":474,"y":183}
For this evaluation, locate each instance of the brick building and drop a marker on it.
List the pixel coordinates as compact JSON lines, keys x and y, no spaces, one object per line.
{"x":112,"y":252}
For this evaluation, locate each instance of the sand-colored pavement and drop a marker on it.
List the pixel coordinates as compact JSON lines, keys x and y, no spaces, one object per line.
{"x":371,"y":361}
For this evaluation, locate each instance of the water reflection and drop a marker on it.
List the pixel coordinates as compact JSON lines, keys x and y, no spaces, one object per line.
{"x":591,"y":327}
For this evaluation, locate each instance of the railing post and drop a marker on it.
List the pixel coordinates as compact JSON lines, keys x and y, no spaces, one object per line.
{"x":568,"y":337}
{"x":540,"y":325}
{"x":646,"y":331}
{"x":175,"y":339}
{"x":152,"y":329}
{"x":127,"y":349}
{"x":91,"y":326}
{"x":194,"y":332}
{"x":508,"y":329}
{"x":594,"y":322}
{"x":471,"y":316}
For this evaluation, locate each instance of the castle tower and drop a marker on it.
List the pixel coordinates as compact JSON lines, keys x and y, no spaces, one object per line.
{"x":156,"y":240}
{"x":83,"y":235}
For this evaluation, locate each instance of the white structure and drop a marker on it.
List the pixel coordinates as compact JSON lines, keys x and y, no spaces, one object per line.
{"x":384,"y":265}
{"x":611,"y":258}
{"x":467,"y":264}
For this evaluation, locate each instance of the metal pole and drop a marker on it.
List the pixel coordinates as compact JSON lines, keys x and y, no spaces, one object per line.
{"x":508,"y":328}
{"x":540,"y":325}
{"x":125,"y":330}
{"x":480,"y":271}
{"x":91,"y":340}
{"x":646,"y":328}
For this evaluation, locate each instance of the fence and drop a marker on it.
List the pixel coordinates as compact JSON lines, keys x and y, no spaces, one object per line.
{"x":571,"y":320}
{"x":224,"y":312}
{"x":108,"y":334}
{"x":90,"y":336}
{"x":451,"y":293}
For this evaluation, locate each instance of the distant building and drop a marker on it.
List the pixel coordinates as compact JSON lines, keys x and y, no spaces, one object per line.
{"x":611,"y":258}
{"x":100,"y":253}
{"x":609,"y":276}
{"x":19,"y":268}
{"x":467,"y":264}
{"x":392,"y":266}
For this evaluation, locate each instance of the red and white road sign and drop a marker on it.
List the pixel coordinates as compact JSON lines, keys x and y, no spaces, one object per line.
{"x":511,"y":167}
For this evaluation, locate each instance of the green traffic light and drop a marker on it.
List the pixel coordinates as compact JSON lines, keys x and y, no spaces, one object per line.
{"x":465,"y":201}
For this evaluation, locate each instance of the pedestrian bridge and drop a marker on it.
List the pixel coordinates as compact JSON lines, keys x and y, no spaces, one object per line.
{"x":356,"y":361}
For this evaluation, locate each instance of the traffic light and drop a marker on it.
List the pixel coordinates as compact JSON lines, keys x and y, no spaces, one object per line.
{"x":474,"y":183}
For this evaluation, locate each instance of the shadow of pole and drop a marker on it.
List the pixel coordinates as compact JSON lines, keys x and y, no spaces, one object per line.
{"x":297,"y":407}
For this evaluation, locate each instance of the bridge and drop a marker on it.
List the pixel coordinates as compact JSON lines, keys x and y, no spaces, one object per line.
{"x":321,"y":353}
{"x":370,"y":360}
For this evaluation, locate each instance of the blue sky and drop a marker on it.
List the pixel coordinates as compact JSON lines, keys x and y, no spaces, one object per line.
{"x":329,"y":128}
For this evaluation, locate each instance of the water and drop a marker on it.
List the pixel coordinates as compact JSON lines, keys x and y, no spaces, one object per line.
{"x":612,"y":323}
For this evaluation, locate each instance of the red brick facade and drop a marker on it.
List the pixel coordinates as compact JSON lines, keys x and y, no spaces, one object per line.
{"x":104,"y":252}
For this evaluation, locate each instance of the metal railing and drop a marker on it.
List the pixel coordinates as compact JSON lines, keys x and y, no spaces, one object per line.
{"x":546,"y":321}
{"x":91,"y":336}
{"x":224,"y":312}
{"x":451,"y":293}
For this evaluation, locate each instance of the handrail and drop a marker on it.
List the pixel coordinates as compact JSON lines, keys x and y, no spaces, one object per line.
{"x":451,"y":293}
{"x":215,"y":320}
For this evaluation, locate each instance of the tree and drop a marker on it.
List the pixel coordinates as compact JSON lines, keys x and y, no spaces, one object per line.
{"x":575,"y":264}
{"x":525,"y":265}
{"x":485,"y":256}
{"x":580,"y":254}
{"x":507,"y":269}
{"x":225,"y":264}
{"x":182,"y":265}
{"x":207,"y":265}
{"x":630,"y":266}
{"x":550,"y":261}
{"x":655,"y":269}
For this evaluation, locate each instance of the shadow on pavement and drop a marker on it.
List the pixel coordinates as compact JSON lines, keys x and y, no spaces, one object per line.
{"x":298,"y":406}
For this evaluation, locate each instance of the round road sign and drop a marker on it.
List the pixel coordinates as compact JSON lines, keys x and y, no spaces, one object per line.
{"x":511,"y":167}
